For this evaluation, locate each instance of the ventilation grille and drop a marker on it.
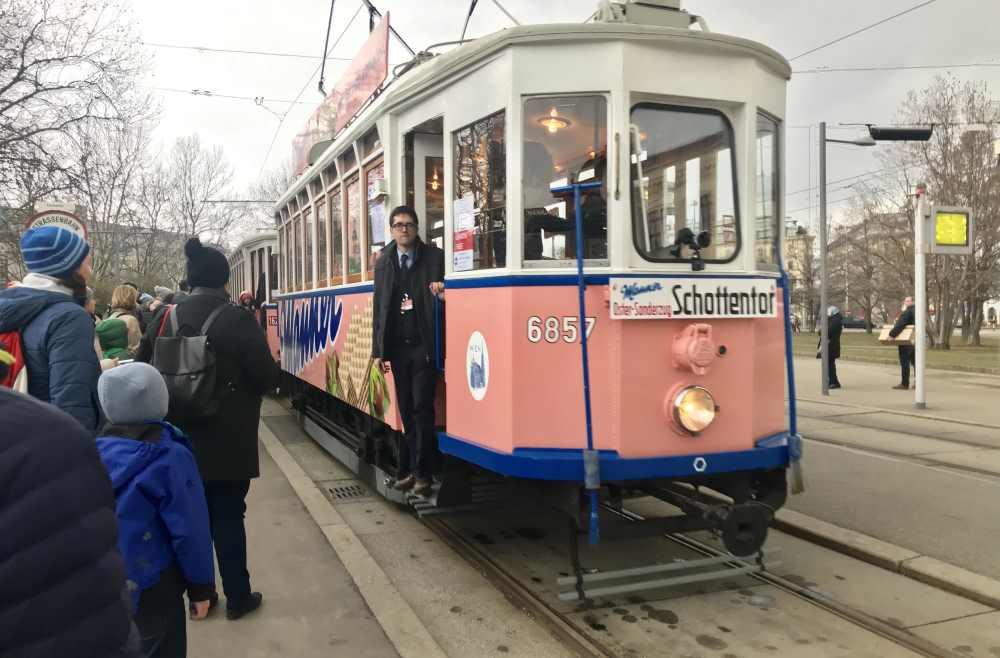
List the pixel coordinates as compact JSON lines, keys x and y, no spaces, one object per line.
{"x":348,"y":492}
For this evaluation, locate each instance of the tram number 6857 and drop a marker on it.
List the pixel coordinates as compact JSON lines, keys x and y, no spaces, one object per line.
{"x":555,"y":328}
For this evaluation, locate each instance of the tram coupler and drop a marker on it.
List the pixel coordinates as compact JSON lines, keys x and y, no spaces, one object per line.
{"x":743,"y":527}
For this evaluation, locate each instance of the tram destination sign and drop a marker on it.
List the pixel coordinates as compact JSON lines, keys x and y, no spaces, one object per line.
{"x":641,"y":298}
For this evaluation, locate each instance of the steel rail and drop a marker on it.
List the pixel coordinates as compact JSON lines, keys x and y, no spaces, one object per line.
{"x":857,"y":617}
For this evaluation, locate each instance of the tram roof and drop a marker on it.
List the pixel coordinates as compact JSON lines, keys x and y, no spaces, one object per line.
{"x":254,"y":240}
{"x":440,"y":70}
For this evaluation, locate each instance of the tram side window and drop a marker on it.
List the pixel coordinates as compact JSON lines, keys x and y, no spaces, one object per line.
{"x":354,"y":229}
{"x":275,"y":283}
{"x":321,"y":253}
{"x":565,"y":141}
{"x":307,"y":242}
{"x":336,"y":239}
{"x":481,"y":180}
{"x":682,"y":176}
{"x":378,"y":226}
{"x":767,"y":227}
{"x":297,"y":251}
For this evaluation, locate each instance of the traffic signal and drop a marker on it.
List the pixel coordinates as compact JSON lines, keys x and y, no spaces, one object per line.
{"x":951,"y":230}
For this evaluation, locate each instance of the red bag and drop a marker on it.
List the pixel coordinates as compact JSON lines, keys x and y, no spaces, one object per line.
{"x":17,"y":374}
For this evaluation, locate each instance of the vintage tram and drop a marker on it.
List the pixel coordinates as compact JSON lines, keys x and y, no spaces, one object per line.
{"x":253,"y":268}
{"x":631,"y":170}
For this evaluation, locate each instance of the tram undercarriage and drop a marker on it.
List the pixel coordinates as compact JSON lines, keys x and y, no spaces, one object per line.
{"x":738,"y":507}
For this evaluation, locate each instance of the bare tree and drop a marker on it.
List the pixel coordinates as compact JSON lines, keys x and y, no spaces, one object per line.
{"x":198,"y":174}
{"x":959,"y":168}
{"x":62,"y":63}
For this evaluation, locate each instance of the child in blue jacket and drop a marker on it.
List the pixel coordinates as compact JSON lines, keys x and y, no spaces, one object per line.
{"x":163,"y":528}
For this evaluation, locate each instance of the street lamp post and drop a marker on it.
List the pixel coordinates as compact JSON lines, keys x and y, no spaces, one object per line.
{"x":823,"y":270}
{"x":875,"y":134}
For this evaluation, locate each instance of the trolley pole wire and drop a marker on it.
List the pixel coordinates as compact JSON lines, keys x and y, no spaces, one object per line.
{"x":326,"y":44}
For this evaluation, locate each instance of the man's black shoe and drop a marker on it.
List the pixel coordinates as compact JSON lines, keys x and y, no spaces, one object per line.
{"x":245,"y":607}
{"x":834,"y":386}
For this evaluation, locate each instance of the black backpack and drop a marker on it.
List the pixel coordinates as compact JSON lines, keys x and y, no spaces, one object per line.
{"x":189,"y":368}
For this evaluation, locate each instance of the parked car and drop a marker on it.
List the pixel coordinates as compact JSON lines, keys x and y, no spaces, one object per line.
{"x":850,"y":322}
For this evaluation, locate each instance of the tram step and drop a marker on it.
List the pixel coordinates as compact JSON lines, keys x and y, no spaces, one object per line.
{"x":683,"y":572}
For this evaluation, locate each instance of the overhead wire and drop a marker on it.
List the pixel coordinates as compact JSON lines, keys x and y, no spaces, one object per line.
{"x":233,"y":51}
{"x":204,"y":93}
{"x":901,"y":67}
{"x":863,"y":29}
{"x":277,"y":130}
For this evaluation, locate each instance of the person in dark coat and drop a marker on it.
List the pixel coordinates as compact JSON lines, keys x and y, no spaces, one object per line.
{"x":835,"y":326}
{"x":163,"y":524}
{"x":62,"y":580}
{"x":57,"y":334}
{"x":907,"y":353}
{"x":225,"y":446}
{"x":408,"y":276}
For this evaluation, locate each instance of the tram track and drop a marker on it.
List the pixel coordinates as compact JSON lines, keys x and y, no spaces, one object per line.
{"x":582,"y":643}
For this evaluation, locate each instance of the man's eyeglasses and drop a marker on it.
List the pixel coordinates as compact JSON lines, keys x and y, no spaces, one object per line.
{"x":405,"y":226}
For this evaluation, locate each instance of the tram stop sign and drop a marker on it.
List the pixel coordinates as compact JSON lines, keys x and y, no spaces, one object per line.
{"x":951,"y":230}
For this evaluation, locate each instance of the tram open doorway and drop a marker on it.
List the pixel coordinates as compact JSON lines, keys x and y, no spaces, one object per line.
{"x":423,"y":167}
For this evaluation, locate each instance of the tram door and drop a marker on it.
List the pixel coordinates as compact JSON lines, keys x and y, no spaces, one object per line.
{"x":423,"y":164}
{"x":424,"y":167}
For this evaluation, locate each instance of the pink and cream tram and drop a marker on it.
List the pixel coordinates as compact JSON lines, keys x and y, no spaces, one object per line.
{"x":662,"y":146}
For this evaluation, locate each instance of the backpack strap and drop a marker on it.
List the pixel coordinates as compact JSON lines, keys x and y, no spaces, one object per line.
{"x":173,"y":321}
{"x":212,"y":317}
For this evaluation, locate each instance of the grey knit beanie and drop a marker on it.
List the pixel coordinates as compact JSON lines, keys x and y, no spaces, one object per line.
{"x":133,"y":393}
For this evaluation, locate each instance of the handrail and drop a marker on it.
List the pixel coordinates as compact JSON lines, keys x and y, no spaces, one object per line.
{"x":591,"y":462}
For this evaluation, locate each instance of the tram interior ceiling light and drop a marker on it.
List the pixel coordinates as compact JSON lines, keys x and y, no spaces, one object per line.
{"x":553,"y":122}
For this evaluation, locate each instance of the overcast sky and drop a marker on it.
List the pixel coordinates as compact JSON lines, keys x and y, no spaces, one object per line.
{"x":945,"y":32}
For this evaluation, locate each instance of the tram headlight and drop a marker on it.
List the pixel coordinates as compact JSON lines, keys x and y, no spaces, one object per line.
{"x":694,"y":409}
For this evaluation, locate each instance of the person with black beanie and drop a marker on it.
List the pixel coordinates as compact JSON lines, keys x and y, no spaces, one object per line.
{"x":225,"y":446}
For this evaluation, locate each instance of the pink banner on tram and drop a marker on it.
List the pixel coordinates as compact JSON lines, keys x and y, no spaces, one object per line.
{"x":366,"y":73}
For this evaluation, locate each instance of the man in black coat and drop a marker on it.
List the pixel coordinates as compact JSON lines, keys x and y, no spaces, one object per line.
{"x":907,"y":353}
{"x":409,"y":274}
{"x":225,"y":446}
{"x":834,"y":327}
{"x":62,"y":580}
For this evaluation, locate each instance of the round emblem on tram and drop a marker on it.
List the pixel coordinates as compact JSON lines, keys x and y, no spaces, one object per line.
{"x":477,"y":366}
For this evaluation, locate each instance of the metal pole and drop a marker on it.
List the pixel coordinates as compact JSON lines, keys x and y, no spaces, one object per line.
{"x":920,"y":297}
{"x":823,"y":328}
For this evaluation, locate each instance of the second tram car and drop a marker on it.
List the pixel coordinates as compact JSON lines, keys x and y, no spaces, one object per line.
{"x":253,"y":268}
{"x":662,"y":146}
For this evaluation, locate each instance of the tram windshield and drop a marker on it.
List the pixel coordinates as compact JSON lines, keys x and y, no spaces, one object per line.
{"x":565,"y":141}
{"x":682,"y":177}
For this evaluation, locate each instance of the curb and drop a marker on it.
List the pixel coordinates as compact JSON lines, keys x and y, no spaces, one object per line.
{"x":398,"y":620}
{"x":972,"y":370}
{"x":897,"y":559}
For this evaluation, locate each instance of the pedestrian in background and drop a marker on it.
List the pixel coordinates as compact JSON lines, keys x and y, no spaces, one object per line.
{"x":62,"y":579}
{"x":163,"y":524}
{"x":57,"y":334}
{"x":123,"y":302}
{"x":225,"y":445}
{"x":834,"y":328}
{"x":907,"y":353}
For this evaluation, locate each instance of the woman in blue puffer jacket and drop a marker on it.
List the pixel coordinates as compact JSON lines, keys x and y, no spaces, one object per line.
{"x":57,"y":334}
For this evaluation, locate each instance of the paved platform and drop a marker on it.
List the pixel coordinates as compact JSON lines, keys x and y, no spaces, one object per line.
{"x":962,"y":396}
{"x":876,"y":465}
{"x":312,"y":608}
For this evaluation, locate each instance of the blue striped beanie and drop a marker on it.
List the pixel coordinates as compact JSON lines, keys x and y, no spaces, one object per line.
{"x":53,"y":251}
